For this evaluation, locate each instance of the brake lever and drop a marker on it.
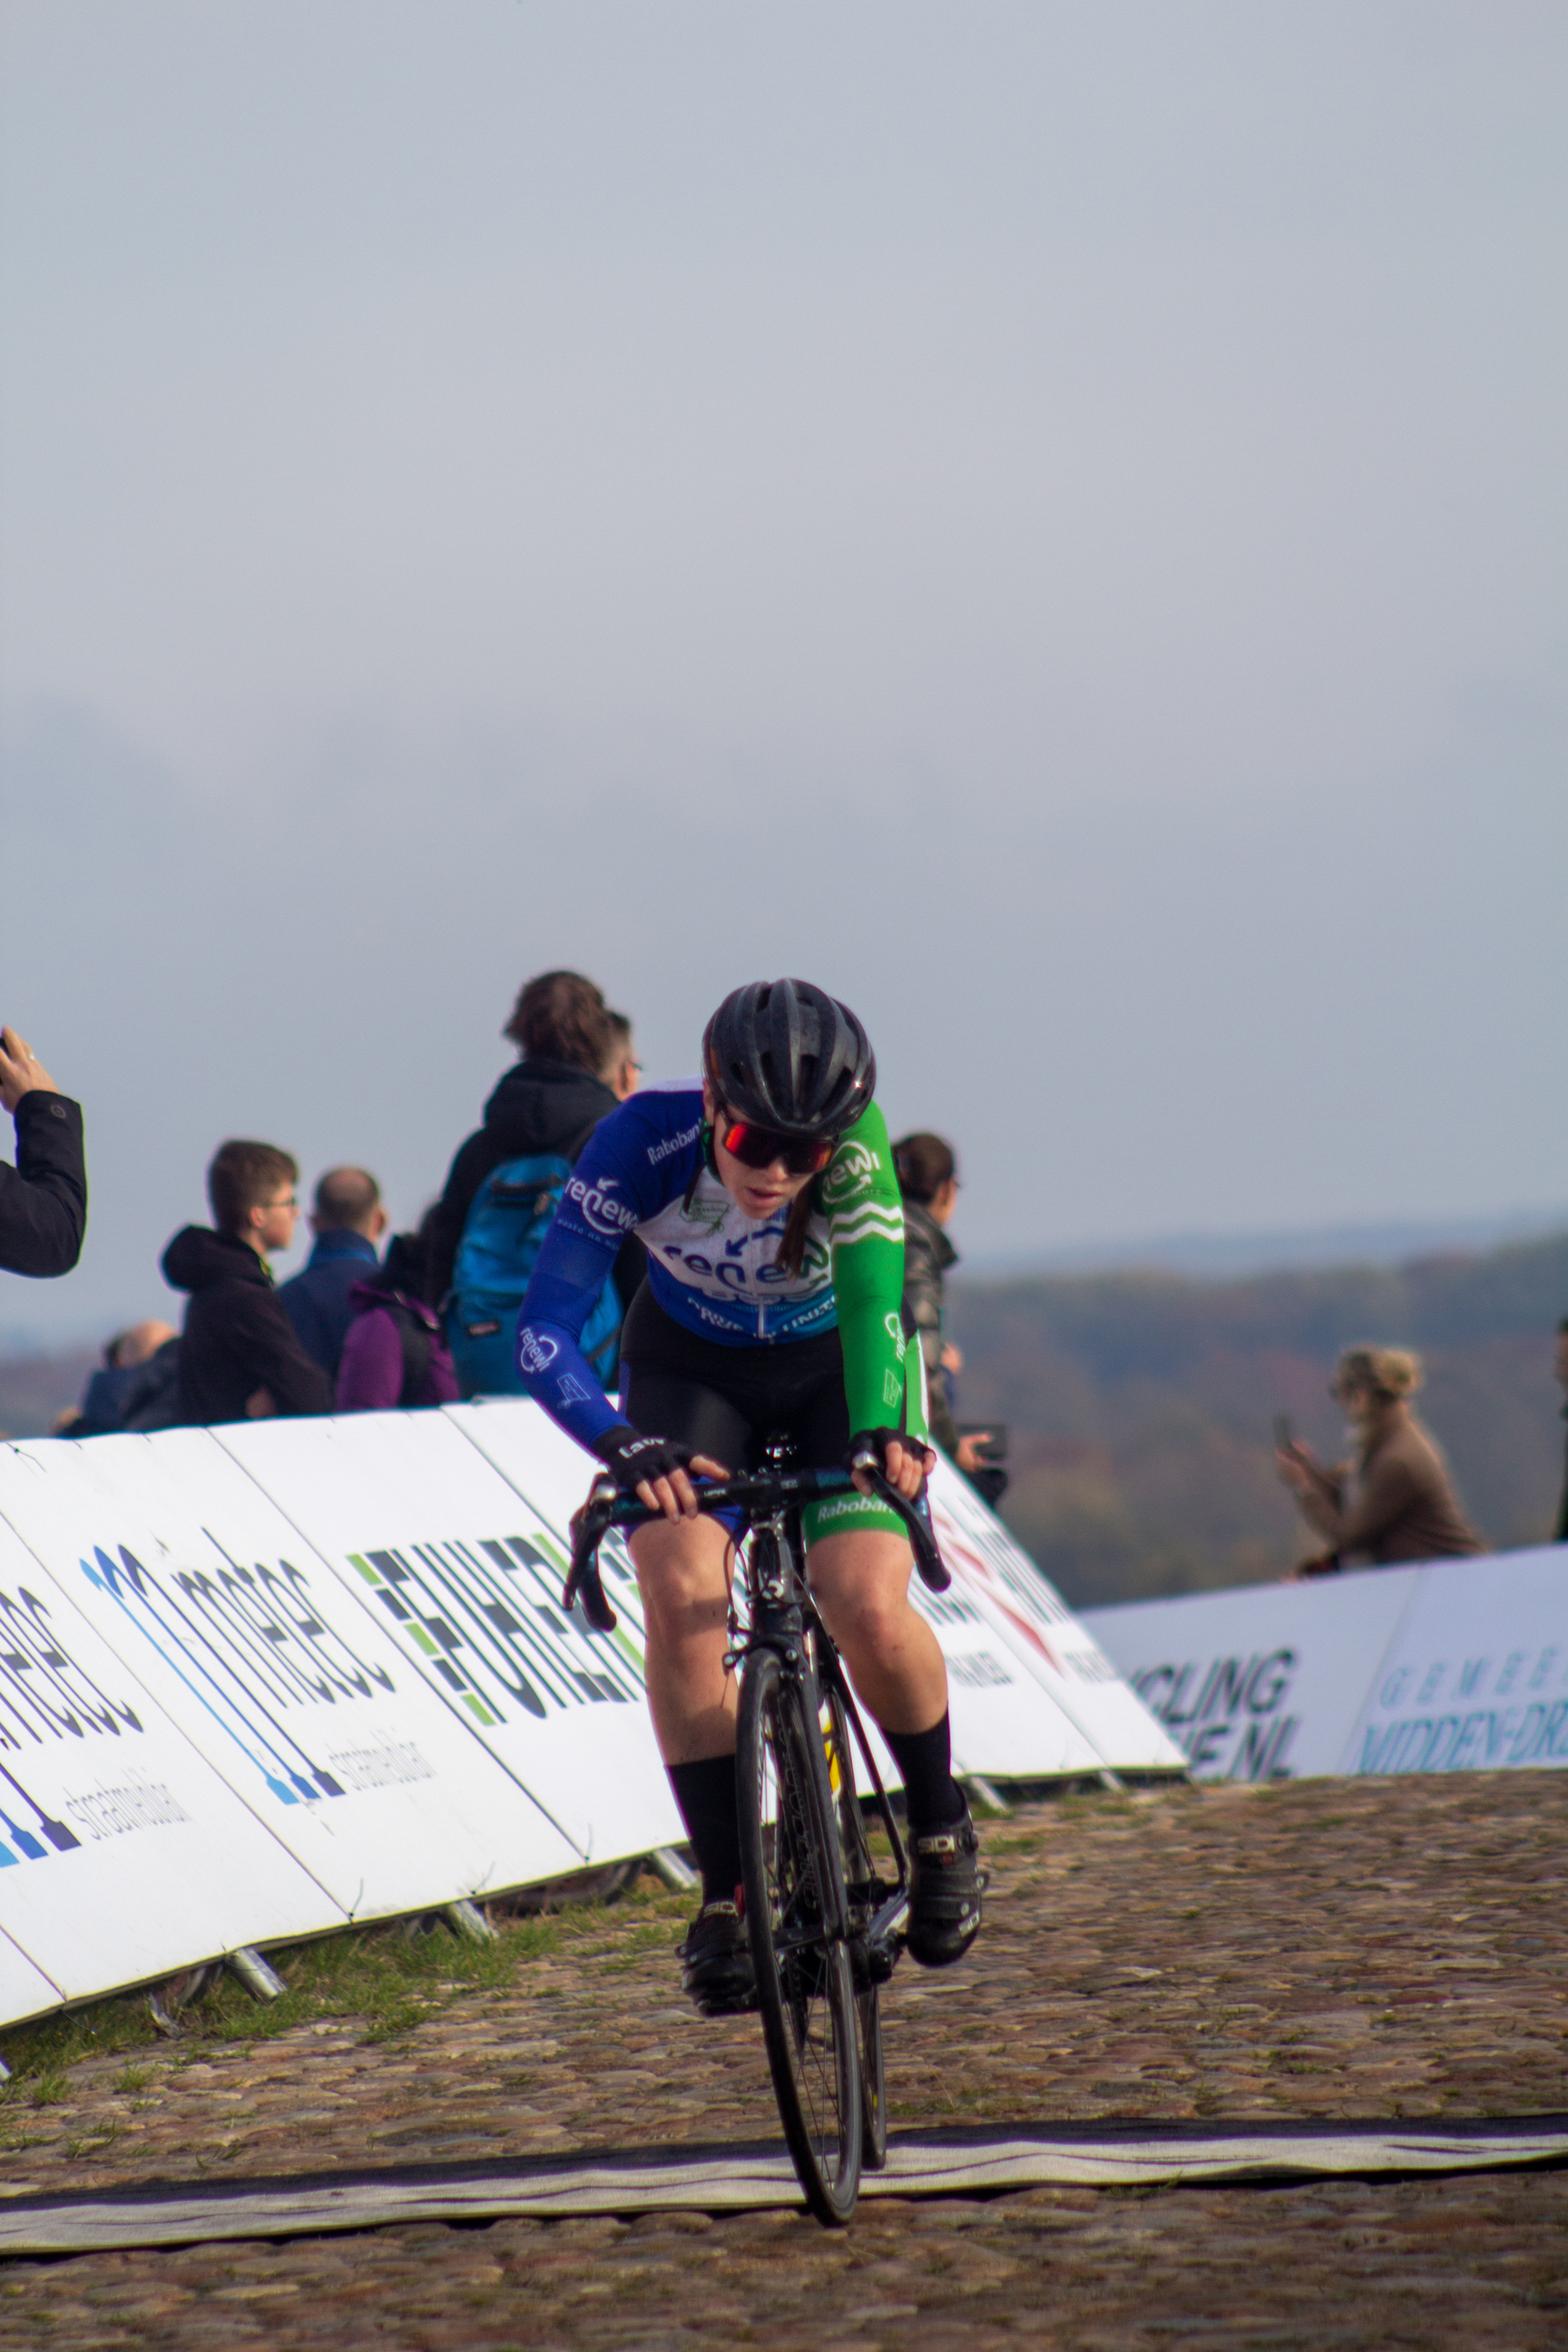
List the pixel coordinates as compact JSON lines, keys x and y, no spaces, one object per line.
{"x":589,"y":1528}
{"x":934,"y":1572}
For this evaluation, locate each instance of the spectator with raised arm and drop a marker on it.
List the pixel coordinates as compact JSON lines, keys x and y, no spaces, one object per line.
{"x":1394,"y":1499}
{"x":43,"y":1199}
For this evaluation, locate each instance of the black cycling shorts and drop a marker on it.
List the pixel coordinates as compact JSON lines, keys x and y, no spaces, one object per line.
{"x":727,"y":1403}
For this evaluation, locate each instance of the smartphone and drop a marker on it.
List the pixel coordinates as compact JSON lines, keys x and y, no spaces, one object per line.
{"x":995,"y":1436}
{"x":1283,"y":1435}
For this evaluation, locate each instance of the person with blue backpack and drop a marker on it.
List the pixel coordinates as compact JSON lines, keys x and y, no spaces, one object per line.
{"x":505,"y":1182}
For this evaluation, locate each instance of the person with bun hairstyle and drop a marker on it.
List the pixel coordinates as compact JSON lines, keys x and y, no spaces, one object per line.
{"x":1395,"y":1499}
{"x":576,"y":1062}
{"x":765,"y":1196}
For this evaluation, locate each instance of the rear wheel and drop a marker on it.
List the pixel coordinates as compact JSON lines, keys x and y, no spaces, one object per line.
{"x":791,"y":1868}
{"x":861,"y":1893}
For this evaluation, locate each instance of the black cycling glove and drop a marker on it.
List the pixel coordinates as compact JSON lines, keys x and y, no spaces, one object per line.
{"x":629,"y":1459}
{"x":878,"y":1440}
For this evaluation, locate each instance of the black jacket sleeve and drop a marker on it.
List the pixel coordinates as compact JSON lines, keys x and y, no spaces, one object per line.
{"x":923,"y":1298}
{"x":43,"y":1199}
{"x":263,"y":1337}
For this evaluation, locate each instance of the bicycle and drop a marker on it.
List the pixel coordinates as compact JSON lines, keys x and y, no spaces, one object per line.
{"x":825,"y":1929}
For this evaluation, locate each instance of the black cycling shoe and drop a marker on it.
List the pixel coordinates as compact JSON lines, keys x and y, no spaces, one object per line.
{"x":946,"y":1882}
{"x":716,"y":1961}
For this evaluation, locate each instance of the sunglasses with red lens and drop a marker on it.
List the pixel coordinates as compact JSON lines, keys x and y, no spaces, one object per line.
{"x":759,"y":1147}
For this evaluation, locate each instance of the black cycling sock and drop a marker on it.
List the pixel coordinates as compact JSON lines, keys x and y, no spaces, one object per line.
{"x":933,"y":1795}
{"x":705,"y":1792}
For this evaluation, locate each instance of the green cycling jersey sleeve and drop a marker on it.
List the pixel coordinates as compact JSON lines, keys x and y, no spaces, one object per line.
{"x":865,"y":1213}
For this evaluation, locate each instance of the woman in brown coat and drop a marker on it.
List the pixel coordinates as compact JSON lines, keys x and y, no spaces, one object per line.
{"x":1397,"y":1499}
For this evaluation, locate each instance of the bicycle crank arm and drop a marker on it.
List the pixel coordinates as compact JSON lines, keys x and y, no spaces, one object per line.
{"x":808,"y":1940}
{"x":890,"y":1918}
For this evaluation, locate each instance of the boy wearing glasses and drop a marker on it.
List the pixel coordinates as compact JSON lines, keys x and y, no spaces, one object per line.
{"x":239,"y":1359}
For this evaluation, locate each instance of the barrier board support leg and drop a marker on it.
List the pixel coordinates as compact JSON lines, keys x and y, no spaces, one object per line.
{"x":986,"y":1795}
{"x":165,"y":2002}
{"x":666,"y":1864}
{"x":466,"y":1919}
{"x":261,"y":1982}
{"x":1113,"y":1782}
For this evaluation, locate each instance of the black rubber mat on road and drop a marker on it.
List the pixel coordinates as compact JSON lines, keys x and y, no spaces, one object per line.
{"x":978,"y":2162}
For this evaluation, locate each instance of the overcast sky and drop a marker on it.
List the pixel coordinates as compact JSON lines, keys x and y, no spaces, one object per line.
{"x":1049,"y":520}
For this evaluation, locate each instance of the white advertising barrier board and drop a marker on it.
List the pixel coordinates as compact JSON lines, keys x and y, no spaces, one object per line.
{"x":466,"y":1575}
{"x":1084,"y":1692}
{"x":248,"y":1643}
{"x":550,"y":1472}
{"x":1476,"y":1678}
{"x":1262,"y":1682}
{"x":124,"y":1856}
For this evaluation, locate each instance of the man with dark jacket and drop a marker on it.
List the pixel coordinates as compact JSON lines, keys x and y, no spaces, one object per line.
{"x":927,"y":1179}
{"x":43,"y":1199}
{"x":137,"y":1387}
{"x":348,"y":1220}
{"x":576,"y":1064}
{"x":239,"y":1359}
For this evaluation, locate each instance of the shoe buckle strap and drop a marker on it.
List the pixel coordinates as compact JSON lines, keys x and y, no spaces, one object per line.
{"x":941,"y":1843}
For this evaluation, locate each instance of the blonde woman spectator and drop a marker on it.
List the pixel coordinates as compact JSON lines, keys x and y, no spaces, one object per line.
{"x":1395,"y":1499}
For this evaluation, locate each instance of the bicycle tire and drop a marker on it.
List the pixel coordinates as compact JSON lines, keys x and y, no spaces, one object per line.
{"x":859,"y":1873}
{"x":806,"y":1995}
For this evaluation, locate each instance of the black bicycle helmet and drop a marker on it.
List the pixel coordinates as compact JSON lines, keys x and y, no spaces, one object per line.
{"x":789,"y":1057}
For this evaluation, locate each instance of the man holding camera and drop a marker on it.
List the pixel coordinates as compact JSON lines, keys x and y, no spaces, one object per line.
{"x":43,"y":1199}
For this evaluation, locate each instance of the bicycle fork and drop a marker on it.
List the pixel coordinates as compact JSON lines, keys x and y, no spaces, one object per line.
{"x":778,"y":1623}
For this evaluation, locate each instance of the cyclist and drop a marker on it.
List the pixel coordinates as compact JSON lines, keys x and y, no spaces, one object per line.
{"x":767,"y":1202}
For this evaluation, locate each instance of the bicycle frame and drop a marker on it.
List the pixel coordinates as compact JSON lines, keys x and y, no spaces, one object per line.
{"x":783,"y":1616}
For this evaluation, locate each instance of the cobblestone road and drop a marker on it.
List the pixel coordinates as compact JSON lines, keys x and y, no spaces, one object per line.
{"x":1322,"y":1950}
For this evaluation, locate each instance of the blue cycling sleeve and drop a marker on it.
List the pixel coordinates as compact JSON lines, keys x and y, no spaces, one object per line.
{"x":610,"y":1190}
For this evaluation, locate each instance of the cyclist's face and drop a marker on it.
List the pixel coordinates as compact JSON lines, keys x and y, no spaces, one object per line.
{"x":758,"y":1192}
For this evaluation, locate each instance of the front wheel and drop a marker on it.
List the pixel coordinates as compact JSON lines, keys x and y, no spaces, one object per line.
{"x":862,"y":1891}
{"x":792,"y":1878}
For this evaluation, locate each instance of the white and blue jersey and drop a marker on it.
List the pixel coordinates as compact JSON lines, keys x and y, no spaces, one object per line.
{"x":709,"y":1266}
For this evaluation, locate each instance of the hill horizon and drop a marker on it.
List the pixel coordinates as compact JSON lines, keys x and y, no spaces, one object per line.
{"x":1140,"y":1401}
